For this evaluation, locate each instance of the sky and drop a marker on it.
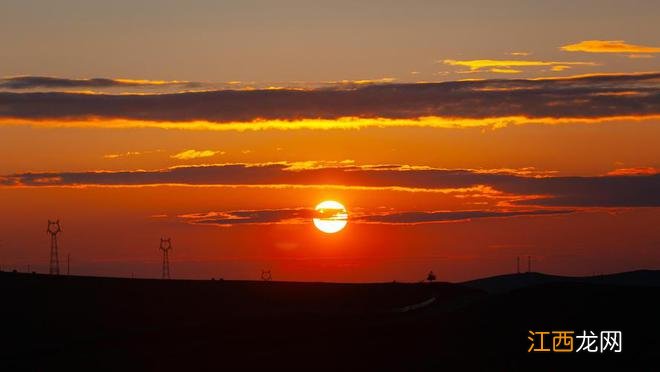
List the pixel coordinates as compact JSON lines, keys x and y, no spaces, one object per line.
{"x":458,"y":135}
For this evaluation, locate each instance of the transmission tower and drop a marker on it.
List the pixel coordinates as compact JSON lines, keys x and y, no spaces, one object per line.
{"x":53,"y":229}
{"x":266,"y":275}
{"x":166,"y":247}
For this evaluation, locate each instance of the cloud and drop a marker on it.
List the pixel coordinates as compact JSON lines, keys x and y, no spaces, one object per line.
{"x":444,"y":216}
{"x":31,"y":82}
{"x":195,"y":154}
{"x":609,"y":46}
{"x":559,"y":68}
{"x":117,"y":156}
{"x":141,"y":86}
{"x":506,"y":66}
{"x":243,"y":217}
{"x":384,"y":80}
{"x":505,"y":71}
{"x":573,"y":97}
{"x":304,"y":215}
{"x":129,"y":154}
{"x":595,"y":191}
{"x":634,"y":171}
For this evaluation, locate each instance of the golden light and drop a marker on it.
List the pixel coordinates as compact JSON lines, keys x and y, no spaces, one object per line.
{"x":332,"y":217}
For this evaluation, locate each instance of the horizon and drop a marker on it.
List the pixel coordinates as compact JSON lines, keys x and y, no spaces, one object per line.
{"x":275,"y":280}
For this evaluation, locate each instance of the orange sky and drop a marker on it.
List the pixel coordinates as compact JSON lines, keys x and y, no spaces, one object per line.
{"x":455,"y":147}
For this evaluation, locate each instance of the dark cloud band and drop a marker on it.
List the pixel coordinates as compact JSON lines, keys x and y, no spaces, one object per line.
{"x":603,"y":191}
{"x":274,"y":216}
{"x":430,"y":217}
{"x":252,"y":216}
{"x":34,"y":82}
{"x":584,"y":97}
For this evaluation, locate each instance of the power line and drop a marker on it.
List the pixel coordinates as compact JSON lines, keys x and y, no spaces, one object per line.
{"x":166,"y":246}
{"x":53,"y":229}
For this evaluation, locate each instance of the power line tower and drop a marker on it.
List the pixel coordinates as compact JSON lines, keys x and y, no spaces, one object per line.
{"x":53,"y":229}
{"x":166,"y":247}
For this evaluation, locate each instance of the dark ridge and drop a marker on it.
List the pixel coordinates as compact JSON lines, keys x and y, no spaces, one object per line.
{"x":110,"y":324}
{"x":509,"y":282}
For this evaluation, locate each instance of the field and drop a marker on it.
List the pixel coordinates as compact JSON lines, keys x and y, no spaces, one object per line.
{"x":89,"y":323}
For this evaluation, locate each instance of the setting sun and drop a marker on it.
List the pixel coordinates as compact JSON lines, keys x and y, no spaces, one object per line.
{"x":331,"y":216}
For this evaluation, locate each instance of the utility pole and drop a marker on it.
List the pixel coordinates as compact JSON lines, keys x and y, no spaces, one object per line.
{"x":53,"y":229}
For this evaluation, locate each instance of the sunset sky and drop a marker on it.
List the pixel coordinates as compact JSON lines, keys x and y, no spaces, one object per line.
{"x":459,"y":135}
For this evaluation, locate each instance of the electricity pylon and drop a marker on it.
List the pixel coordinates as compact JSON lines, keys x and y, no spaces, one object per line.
{"x":53,"y":229}
{"x":166,"y":247}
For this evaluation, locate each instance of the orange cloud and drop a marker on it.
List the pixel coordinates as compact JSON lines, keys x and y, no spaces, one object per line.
{"x":608,"y":46}
{"x":494,"y":64}
{"x":48,"y":180}
{"x":150,"y":82}
{"x":129,"y":153}
{"x":195,"y":154}
{"x":560,"y":68}
{"x":639,"y":171}
{"x":505,"y":70}
{"x":348,"y":123}
{"x":384,"y":80}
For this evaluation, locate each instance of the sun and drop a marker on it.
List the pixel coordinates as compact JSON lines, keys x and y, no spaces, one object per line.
{"x":331,"y":217}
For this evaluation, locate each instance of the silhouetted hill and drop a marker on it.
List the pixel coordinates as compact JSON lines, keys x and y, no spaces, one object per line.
{"x":105,"y":324}
{"x":508,"y":282}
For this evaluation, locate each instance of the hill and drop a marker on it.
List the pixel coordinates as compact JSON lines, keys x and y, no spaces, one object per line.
{"x":509,"y":282}
{"x":85,"y":323}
